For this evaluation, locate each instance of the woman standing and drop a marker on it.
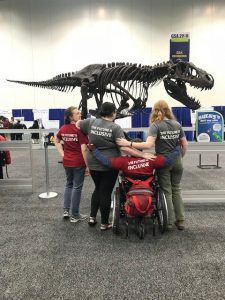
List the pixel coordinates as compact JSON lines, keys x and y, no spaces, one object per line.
{"x":74,"y":155}
{"x":102,"y":132}
{"x":35,"y":136}
{"x":165,"y":132}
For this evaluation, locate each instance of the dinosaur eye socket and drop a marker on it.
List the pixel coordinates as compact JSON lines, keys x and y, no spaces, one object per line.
{"x":193,"y":72}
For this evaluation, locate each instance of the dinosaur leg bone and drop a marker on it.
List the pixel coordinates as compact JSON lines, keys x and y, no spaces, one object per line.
{"x":83,"y":102}
{"x":123,"y":103}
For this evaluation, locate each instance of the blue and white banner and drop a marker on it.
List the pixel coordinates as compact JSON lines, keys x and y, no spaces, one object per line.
{"x":179,"y":46}
{"x":209,"y":126}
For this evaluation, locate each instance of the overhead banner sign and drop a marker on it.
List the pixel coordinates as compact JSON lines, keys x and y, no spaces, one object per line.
{"x":209,"y":126}
{"x":179,"y":46}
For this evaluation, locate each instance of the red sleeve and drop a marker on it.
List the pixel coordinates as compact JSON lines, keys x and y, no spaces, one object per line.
{"x":7,"y":153}
{"x":59,"y":136}
{"x":83,"y":139}
{"x":159,"y":161}
{"x":119,"y":163}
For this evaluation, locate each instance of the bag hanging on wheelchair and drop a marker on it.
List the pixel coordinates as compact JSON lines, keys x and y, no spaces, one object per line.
{"x":139,"y":198}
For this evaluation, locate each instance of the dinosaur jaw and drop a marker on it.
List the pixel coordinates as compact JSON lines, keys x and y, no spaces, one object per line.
{"x":177,"y":90}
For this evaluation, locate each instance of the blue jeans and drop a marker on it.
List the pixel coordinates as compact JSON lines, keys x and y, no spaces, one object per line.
{"x":73,"y":188}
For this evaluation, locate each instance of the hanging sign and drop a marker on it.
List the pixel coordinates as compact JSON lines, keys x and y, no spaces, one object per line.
{"x":179,"y":47}
{"x":209,"y":126}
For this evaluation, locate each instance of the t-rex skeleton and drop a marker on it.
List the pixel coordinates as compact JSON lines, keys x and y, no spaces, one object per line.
{"x":126,"y":81}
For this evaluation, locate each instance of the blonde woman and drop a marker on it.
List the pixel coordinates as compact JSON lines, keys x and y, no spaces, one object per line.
{"x":165,"y":133}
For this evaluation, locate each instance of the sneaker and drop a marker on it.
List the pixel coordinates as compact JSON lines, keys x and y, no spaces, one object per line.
{"x":92,"y":221}
{"x":104,"y":227}
{"x":77,"y":218}
{"x":82,"y":217}
{"x":180,"y":225}
{"x":169,"y":226}
{"x":66,"y":214}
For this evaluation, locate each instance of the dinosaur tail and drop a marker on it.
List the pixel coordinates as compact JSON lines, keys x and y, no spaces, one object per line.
{"x":62,"y":84}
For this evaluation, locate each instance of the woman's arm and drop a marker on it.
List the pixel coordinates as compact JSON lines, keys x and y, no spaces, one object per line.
{"x":150,"y":141}
{"x":184,"y":145}
{"x":136,"y":153}
{"x":84,"y":153}
{"x":58,"y":146}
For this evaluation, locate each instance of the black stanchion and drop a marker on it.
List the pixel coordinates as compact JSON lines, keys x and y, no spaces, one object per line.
{"x":47,"y":194}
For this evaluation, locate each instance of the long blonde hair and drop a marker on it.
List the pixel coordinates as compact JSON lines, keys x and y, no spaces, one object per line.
{"x":161,"y":111}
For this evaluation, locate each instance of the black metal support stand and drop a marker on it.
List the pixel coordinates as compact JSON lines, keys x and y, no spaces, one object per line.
{"x":209,"y":166}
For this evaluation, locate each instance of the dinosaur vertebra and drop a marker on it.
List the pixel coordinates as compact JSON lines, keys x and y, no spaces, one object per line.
{"x":130,"y":82}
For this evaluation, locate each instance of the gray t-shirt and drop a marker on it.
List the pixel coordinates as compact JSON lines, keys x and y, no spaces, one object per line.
{"x":102,"y":134}
{"x":167,"y":134}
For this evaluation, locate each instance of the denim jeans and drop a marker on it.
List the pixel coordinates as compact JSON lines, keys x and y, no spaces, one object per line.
{"x":73,"y":188}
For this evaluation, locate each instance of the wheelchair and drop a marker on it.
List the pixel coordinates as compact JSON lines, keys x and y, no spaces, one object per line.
{"x":159,"y":215}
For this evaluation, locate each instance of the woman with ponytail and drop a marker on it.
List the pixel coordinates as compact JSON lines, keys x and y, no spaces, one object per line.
{"x":73,"y":153}
{"x":165,"y":133}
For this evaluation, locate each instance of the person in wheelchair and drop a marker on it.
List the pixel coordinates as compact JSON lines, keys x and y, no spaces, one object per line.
{"x":139,"y":165}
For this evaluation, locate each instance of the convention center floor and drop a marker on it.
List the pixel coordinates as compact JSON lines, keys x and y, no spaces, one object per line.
{"x":45,"y":257}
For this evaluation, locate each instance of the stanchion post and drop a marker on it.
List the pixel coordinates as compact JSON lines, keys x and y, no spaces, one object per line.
{"x":217,"y":160}
{"x":200,"y":160}
{"x":47,"y":194}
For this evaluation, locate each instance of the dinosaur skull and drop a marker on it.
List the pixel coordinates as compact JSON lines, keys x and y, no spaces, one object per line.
{"x":184,"y":72}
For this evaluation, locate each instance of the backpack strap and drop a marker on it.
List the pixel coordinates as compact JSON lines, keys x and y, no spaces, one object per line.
{"x":136,"y":181}
{"x":137,"y":206}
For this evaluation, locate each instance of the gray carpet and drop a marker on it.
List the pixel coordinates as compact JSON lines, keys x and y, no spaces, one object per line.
{"x":44,"y":257}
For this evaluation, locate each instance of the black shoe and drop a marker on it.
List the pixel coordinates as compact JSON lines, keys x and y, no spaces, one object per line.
{"x":92,"y":221}
{"x":104,"y":227}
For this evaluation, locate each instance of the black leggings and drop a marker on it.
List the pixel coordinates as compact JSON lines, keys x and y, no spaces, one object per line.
{"x":101,"y":198}
{"x":1,"y":172}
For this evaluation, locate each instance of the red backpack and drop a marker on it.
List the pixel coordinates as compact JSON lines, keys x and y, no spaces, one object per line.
{"x":139,"y":198}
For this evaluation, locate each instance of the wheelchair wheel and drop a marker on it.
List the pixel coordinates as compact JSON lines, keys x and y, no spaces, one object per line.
{"x":116,"y":211}
{"x":161,"y":210}
{"x":141,"y":228}
{"x":153,"y":227}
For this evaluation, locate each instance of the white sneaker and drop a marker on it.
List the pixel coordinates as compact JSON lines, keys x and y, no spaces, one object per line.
{"x":66,"y":214}
{"x":80,"y":217}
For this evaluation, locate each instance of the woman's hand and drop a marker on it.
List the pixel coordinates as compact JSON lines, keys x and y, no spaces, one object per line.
{"x":149,"y":156}
{"x":87,"y":172}
{"x":123,"y":142}
{"x":91,"y":147}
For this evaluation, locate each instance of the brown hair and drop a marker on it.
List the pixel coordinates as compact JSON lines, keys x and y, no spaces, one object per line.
{"x":68,"y":113}
{"x":161,"y":111}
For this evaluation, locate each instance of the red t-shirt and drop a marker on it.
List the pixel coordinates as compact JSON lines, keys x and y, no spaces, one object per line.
{"x":136,"y":165}
{"x":7,"y":153}
{"x":72,"y":138}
